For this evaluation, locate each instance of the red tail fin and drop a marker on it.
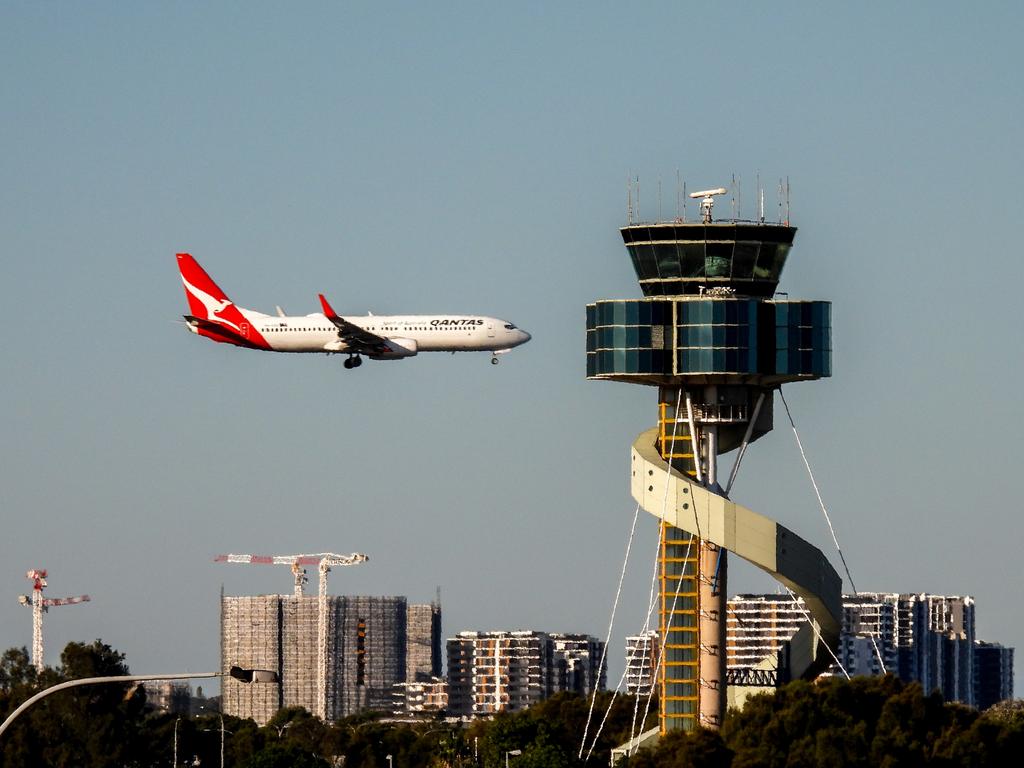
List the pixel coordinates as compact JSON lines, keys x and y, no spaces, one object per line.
{"x":204,"y":296}
{"x":329,"y":312}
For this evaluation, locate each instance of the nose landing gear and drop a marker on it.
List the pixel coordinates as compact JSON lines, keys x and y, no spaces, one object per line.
{"x":353,"y":362}
{"x":494,"y":360}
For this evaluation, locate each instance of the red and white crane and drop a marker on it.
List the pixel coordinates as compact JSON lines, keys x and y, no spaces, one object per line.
{"x":324,"y":562}
{"x":40,"y":605}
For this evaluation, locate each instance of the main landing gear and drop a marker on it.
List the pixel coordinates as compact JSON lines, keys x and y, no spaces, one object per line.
{"x":353,"y":362}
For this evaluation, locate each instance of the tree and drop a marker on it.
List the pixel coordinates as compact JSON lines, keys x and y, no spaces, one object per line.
{"x":285,"y":756}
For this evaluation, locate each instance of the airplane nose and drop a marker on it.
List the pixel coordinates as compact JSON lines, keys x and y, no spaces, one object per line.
{"x":525,"y":338}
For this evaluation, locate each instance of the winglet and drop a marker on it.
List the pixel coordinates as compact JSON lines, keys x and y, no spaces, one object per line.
{"x":328,"y":311}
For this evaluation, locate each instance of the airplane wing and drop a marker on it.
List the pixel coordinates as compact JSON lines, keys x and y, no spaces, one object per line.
{"x":357,"y":340}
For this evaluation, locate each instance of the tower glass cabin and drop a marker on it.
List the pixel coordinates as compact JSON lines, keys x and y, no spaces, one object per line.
{"x":711,"y":336}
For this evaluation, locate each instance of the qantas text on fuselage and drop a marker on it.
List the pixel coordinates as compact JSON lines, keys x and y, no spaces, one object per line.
{"x":379,"y":337}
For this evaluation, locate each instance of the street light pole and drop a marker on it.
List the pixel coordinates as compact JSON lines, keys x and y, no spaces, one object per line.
{"x":245,"y":675}
{"x":174,"y":760}
{"x":512,"y":752}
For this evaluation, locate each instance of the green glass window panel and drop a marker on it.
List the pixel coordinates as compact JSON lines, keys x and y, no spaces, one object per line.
{"x":731,"y":360}
{"x":718,"y":312}
{"x":747,"y":361}
{"x":782,"y":313}
{"x":630,"y":307}
{"x":782,"y":362}
{"x":732,"y":335}
{"x":648,"y":264}
{"x":606,"y":361}
{"x":678,"y":568}
{"x":692,"y":257}
{"x":743,"y":257}
{"x":702,"y":312}
{"x":731,"y":311}
{"x":668,"y":260}
{"x":744,"y":312}
{"x":644,"y":362}
{"x":591,"y":341}
{"x":763,"y":261}
{"x":604,"y":313}
{"x":766,"y":262}
{"x":659,"y":361}
{"x":660,"y":312}
{"x":705,"y":335}
{"x":632,"y":337}
{"x":619,"y":313}
{"x":619,"y":360}
{"x":718,"y":334}
{"x":632,"y":361}
{"x":643,"y":337}
{"x":634,"y":258}
{"x":591,"y":364}
{"x":591,"y":315}
{"x":718,"y":360}
{"x":718,"y":260}
{"x":781,"y":337}
{"x":682,"y":620}
{"x":781,"y":252}
{"x":680,"y":654}
{"x":643,"y":313}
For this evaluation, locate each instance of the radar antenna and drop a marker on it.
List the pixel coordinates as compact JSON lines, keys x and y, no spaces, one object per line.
{"x":707,"y":201}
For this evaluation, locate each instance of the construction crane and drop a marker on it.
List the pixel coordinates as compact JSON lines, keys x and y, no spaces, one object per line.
{"x":41,"y":605}
{"x":325,"y":624}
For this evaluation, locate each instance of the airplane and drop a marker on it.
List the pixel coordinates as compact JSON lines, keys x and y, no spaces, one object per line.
{"x":379,"y":337}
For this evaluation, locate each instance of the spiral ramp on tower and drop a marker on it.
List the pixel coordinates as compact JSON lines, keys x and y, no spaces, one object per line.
{"x":674,"y":498}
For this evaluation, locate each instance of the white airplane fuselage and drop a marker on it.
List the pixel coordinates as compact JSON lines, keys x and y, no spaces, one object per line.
{"x":431,"y":333}
{"x":378,"y":337}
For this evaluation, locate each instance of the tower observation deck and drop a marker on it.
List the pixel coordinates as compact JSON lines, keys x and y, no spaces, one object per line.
{"x":711,"y":336}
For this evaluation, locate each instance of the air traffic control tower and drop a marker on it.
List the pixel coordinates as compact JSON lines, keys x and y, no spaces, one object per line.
{"x":713,"y":338}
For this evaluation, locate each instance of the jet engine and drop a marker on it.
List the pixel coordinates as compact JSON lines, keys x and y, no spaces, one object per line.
{"x":397,"y":349}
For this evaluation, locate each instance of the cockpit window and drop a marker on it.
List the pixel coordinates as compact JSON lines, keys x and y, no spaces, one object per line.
{"x":509,"y":327}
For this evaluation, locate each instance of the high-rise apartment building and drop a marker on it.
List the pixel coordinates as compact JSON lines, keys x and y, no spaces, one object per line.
{"x":580,"y":666}
{"x":918,"y":637}
{"x":491,"y":672}
{"x":641,"y":663}
{"x":993,"y":674}
{"x":367,"y":642}
{"x":757,"y":626}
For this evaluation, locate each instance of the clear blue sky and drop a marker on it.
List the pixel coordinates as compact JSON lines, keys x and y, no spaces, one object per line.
{"x":472,"y":158}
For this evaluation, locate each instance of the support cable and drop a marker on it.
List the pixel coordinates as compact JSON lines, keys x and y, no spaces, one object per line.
{"x":611,"y":623}
{"x":695,"y":443}
{"x":828,"y":520}
{"x":814,"y":628}
{"x":664,"y":506}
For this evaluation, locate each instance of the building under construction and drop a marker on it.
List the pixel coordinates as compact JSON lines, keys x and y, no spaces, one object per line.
{"x":371,"y":644}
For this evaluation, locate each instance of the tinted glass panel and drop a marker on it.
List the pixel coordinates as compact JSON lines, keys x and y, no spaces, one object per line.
{"x":718,"y":260}
{"x":765,"y":261}
{"x":668,"y":260}
{"x":645,"y":257}
{"x":743,"y":258}
{"x":692,"y":257}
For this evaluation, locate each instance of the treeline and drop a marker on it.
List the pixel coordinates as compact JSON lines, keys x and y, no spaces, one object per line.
{"x":866,"y":722}
{"x":109,"y":726}
{"x":833,"y":723}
